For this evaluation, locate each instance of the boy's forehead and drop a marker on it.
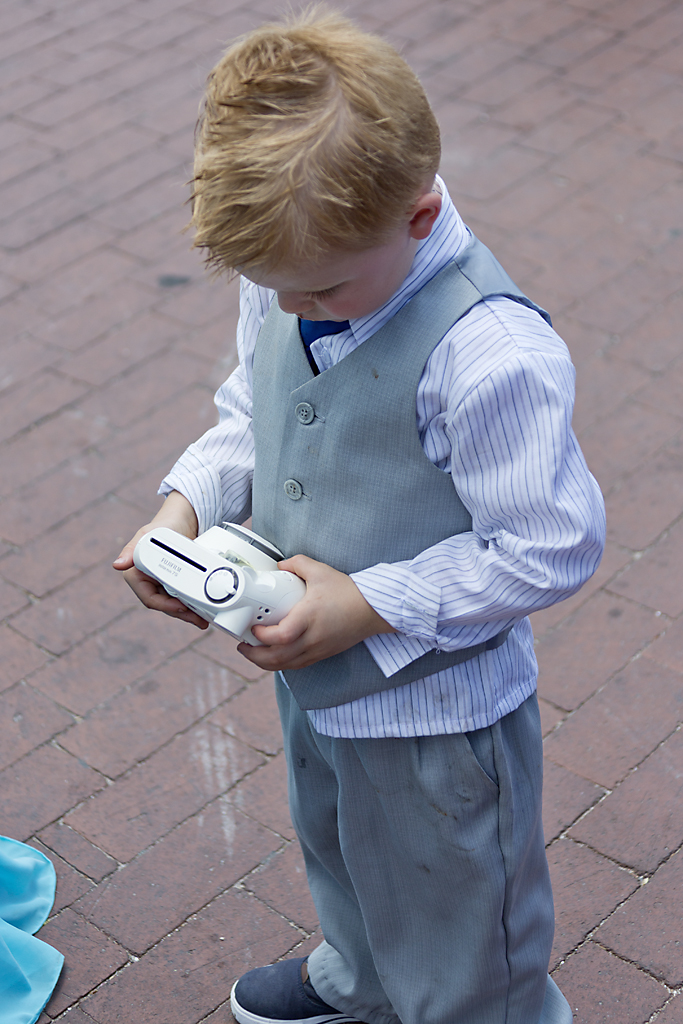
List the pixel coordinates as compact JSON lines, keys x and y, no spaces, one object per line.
{"x":330,"y":270}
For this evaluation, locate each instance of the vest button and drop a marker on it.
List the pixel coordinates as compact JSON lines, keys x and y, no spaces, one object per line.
{"x":293,"y":489}
{"x":305,"y":413}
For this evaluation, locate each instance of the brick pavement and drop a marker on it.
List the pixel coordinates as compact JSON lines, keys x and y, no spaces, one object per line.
{"x":163,"y":805}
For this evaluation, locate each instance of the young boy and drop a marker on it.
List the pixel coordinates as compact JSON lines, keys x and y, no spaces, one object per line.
{"x":400,"y":426}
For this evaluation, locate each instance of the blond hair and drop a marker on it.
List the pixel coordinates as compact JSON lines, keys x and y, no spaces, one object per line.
{"x":315,"y":136}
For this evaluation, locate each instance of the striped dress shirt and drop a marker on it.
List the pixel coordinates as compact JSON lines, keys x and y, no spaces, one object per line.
{"x":494,"y":407}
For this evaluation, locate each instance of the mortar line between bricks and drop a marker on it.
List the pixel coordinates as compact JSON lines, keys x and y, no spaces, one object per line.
{"x":630,"y":771}
{"x":585,"y":942}
{"x":570,"y":712}
{"x":633,"y":963}
{"x":640,"y":878}
{"x":200,"y":810}
{"x":135,"y":957}
{"x":62,"y":821}
{"x":180,"y":732}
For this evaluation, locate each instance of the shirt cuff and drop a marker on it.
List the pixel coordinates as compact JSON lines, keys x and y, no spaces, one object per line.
{"x":200,"y":484}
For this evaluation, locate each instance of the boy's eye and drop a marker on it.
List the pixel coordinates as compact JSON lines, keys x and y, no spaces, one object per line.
{"x":324,"y":295}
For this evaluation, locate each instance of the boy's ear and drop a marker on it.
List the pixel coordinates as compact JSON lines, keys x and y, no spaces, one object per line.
{"x":423,"y":215}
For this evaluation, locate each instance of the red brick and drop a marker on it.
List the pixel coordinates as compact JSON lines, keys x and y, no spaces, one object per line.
{"x":24,"y":158}
{"x":485,"y":180}
{"x":217,"y":343}
{"x":21,"y":93}
{"x":33,"y":400}
{"x":90,"y":956}
{"x":599,"y":257}
{"x":656,"y":342}
{"x":566,"y":797}
{"x":653,"y":580}
{"x":672,"y":1012}
{"x":658,"y":32}
{"x":75,"y":610}
{"x":25,"y":357}
{"x":200,"y":304}
{"x":668,"y":649}
{"x":133,"y":724}
{"x":525,"y":110}
{"x":91,"y":275}
{"x":104,"y":27}
{"x":19,"y":657}
{"x":42,"y":787}
{"x":164,"y":434}
{"x":585,"y":650}
{"x":77,"y":851}
{"x":616,"y":729}
{"x":153,"y":240}
{"x":629,"y":436}
{"x":30,"y":512}
{"x":159,"y":890}
{"x":253,"y":717}
{"x":71,"y":884}
{"x":191,"y":972}
{"x":158,"y":794}
{"x":156,"y":383}
{"x":79,"y":543}
{"x":601,"y":989}
{"x":586,"y":888}
{"x":44,"y":215}
{"x":144,"y":203}
{"x":282,"y":885}
{"x":112,"y":659}
{"x":550,"y":716}
{"x":664,"y":393}
{"x":639,"y":823}
{"x":534,"y":195}
{"x":27,"y":720}
{"x":613,"y":62}
{"x":89,"y":64}
{"x":570,"y":127}
{"x":122,"y":349}
{"x":602,"y":384}
{"x":142,"y":491}
{"x":36,"y":452}
{"x":647,"y":929}
{"x":263,"y":796}
{"x":73,"y":1016}
{"x":11,"y":599}
{"x":217,"y":645}
{"x":55,"y":252}
{"x":590,"y":162}
{"x":174,"y":25}
{"x":95,"y":317}
{"x":642,"y":507}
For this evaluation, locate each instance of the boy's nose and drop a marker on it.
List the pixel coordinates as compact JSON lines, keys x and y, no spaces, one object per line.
{"x":294,"y":302}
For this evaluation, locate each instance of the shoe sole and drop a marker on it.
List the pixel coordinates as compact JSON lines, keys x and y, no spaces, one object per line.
{"x":247,"y":1017}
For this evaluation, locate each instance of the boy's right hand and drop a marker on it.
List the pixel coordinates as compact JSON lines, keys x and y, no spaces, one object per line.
{"x":177,"y":514}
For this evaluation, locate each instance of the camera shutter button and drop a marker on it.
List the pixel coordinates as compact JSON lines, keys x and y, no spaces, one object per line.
{"x":221,"y":584}
{"x":305,"y":413}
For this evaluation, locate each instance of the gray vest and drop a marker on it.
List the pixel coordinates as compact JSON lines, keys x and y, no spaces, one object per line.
{"x":340,"y":473}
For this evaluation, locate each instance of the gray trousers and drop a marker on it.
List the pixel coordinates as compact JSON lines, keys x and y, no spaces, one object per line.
{"x":426,"y":863}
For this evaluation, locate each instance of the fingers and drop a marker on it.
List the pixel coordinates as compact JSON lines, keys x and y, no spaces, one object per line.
{"x":125,"y":559}
{"x":153,"y":596}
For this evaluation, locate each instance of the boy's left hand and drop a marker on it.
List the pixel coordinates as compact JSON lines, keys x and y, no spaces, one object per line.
{"x":332,"y":617}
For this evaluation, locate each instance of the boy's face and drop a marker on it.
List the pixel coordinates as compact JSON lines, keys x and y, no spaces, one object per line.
{"x":341,"y":286}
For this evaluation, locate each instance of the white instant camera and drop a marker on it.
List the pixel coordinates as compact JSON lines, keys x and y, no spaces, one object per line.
{"x":228,"y":575}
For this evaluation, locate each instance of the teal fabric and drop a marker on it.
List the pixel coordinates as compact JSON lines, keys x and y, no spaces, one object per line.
{"x":29,"y":968}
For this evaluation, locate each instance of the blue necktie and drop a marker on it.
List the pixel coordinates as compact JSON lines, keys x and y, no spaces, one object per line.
{"x":312,"y":329}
